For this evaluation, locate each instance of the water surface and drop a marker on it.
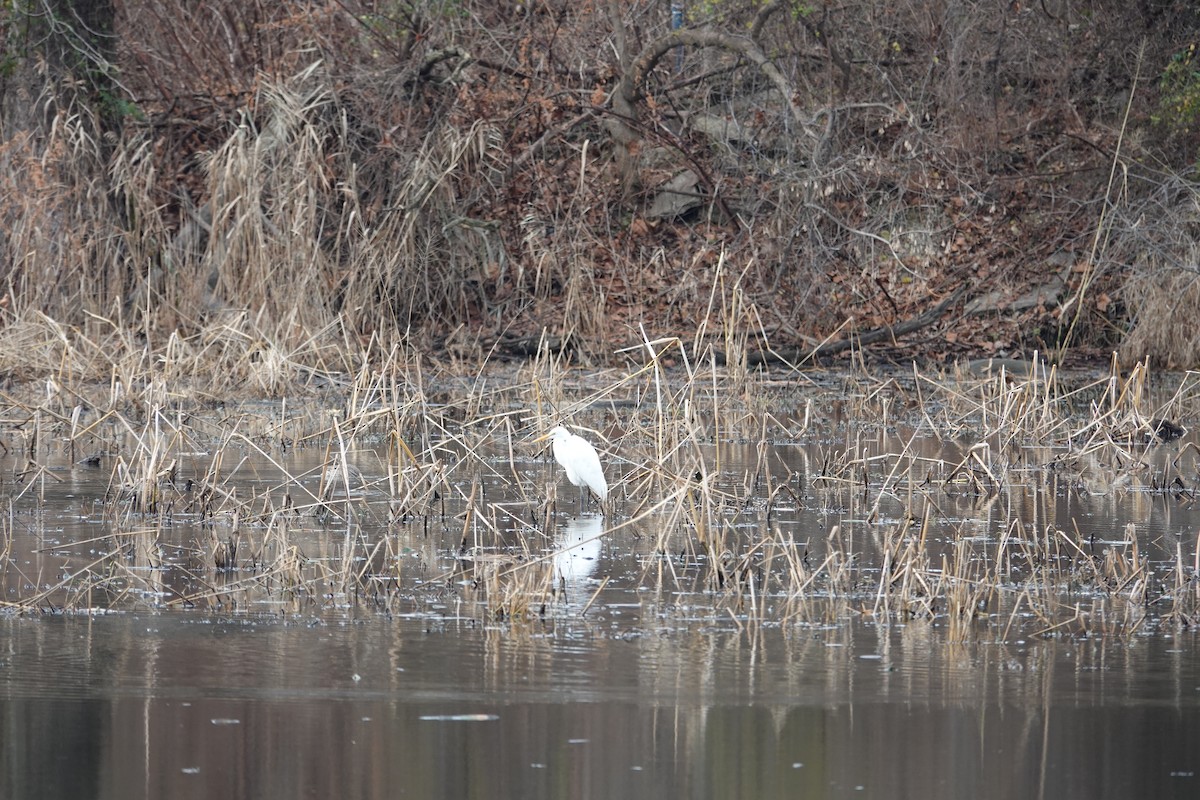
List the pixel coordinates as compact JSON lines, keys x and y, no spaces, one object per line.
{"x":179,"y":705}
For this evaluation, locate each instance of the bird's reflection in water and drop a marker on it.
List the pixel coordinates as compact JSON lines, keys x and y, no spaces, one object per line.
{"x":577,"y":553}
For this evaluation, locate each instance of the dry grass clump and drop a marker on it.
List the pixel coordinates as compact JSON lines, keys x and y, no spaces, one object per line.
{"x":1166,"y":305}
{"x":510,"y":590}
{"x":1153,"y":240}
{"x":289,"y":249}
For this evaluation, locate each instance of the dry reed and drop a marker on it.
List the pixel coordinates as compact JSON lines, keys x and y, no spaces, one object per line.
{"x":402,"y":491}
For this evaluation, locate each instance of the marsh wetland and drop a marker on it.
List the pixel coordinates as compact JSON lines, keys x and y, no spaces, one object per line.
{"x":969,"y":583}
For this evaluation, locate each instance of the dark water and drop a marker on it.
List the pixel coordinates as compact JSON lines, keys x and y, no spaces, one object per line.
{"x":176,"y":705}
{"x":639,"y":680}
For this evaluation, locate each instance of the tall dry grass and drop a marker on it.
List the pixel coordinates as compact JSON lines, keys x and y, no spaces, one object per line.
{"x":282,"y":267}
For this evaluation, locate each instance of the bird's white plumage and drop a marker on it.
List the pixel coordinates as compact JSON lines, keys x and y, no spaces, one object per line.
{"x":579,"y":460}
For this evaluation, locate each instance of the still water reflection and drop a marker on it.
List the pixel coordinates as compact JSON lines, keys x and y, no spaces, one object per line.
{"x":178,"y":705}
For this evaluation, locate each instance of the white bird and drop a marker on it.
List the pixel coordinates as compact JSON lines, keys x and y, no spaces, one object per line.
{"x":579,"y":460}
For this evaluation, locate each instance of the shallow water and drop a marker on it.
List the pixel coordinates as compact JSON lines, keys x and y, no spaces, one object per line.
{"x":130,"y":667}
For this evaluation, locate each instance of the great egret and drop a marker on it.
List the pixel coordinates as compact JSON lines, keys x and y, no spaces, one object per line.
{"x":579,"y":460}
